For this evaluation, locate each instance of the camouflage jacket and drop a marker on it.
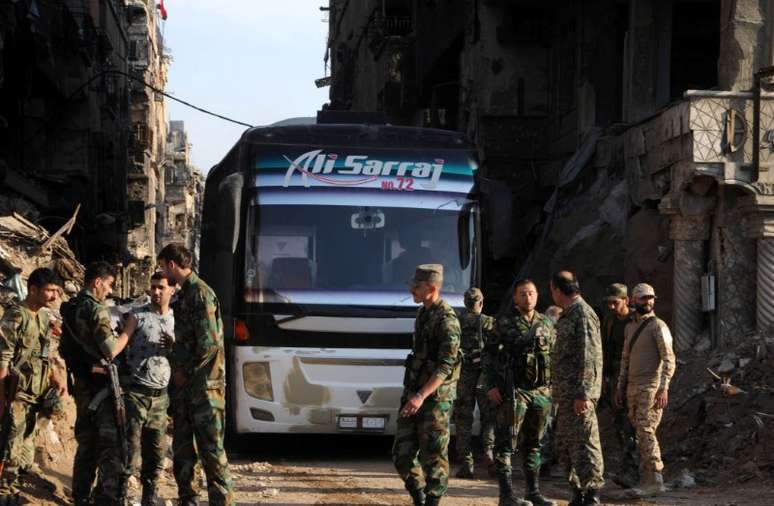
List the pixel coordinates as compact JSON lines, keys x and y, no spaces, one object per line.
{"x":523,"y":346}
{"x":435,"y":351}
{"x":576,"y":361}
{"x":85,"y":328}
{"x":198,"y":350}
{"x":24,"y":344}
{"x":476,"y":331}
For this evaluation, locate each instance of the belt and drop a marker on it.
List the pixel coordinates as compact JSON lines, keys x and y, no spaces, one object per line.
{"x":144,"y":390}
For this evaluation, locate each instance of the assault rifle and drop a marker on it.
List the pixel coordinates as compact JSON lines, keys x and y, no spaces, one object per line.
{"x":119,"y":412}
{"x":509,"y":396}
{"x":11,"y":388}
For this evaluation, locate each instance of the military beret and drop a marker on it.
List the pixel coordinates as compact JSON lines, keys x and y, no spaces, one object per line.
{"x":427,"y":272}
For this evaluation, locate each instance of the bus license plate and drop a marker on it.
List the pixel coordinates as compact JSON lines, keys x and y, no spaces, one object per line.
{"x":373,"y":422}
{"x":347,"y":422}
{"x":367,"y":423}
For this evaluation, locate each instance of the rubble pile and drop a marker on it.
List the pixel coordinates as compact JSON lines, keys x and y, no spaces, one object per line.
{"x":25,"y":246}
{"x":720,"y":419}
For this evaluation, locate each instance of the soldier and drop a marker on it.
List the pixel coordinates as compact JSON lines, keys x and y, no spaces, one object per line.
{"x":198,"y":362}
{"x":576,"y":364}
{"x":24,"y":347}
{"x":617,"y":317}
{"x":518,"y":380}
{"x":647,"y":365}
{"x":476,"y":331}
{"x":147,"y":370}
{"x":420,"y":449}
{"x":87,"y":339}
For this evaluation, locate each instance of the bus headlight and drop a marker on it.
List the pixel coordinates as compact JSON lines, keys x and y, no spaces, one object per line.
{"x":257,"y":379}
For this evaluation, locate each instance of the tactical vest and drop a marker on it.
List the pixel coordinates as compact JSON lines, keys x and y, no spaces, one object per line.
{"x":77,"y":360}
{"x":534,"y":364}
{"x":31,"y":357}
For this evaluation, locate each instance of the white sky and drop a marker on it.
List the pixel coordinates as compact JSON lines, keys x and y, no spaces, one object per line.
{"x":251,"y":60}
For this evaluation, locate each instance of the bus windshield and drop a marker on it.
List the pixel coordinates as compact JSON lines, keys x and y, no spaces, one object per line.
{"x":297,"y":248}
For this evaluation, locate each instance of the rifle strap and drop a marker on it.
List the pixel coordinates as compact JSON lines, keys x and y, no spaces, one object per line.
{"x":97,"y":399}
{"x":637,"y":333}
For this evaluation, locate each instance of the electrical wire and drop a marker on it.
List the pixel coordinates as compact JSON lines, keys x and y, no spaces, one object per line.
{"x":144,"y":83}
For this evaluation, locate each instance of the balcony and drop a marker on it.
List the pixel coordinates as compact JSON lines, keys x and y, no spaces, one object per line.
{"x":707,"y":133}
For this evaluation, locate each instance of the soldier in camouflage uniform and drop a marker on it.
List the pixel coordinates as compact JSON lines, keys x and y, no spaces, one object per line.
{"x":87,"y":339}
{"x":476,"y":332}
{"x":24,"y":346}
{"x":198,"y":361}
{"x":145,"y":374}
{"x":617,"y":317}
{"x":647,"y":367}
{"x":518,"y":380}
{"x":576,"y":367}
{"x":420,"y":449}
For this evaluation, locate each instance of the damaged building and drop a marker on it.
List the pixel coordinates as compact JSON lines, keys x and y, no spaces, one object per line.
{"x":631,"y":140}
{"x":79,"y":126}
{"x":184,"y":191}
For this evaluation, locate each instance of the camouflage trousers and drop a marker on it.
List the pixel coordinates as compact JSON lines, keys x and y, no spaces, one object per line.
{"x":86,"y":434}
{"x":111,"y":463}
{"x":20,"y":451}
{"x":624,"y":434}
{"x":547,"y":452}
{"x":577,"y":446}
{"x":468,"y":395}
{"x":198,"y":427}
{"x":521,"y":422}
{"x":645,"y":419}
{"x":420,"y":449}
{"x":147,"y":422}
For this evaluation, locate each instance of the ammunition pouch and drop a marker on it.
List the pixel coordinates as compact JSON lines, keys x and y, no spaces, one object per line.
{"x":535,"y":369}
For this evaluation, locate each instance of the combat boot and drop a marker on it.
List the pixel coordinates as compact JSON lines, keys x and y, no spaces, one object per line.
{"x":655,"y":484}
{"x":591,"y":497}
{"x":577,"y":497}
{"x":465,"y":471}
{"x":533,"y":490}
{"x":418,"y":496}
{"x":507,"y":497}
{"x":432,"y":500}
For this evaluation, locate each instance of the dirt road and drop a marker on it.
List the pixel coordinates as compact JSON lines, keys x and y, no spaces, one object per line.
{"x":357,"y":471}
{"x":353,"y":470}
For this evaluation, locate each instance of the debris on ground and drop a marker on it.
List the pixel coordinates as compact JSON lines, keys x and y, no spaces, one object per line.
{"x":720,"y":418}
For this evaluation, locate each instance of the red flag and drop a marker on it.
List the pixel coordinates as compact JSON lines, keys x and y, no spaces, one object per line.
{"x":162,"y":10}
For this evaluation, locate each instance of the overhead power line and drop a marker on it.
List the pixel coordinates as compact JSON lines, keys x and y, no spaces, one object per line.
{"x":144,"y":83}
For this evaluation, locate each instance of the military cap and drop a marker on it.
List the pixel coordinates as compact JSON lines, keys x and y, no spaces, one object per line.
{"x":427,"y":272}
{"x":616,"y":291}
{"x":473,"y":295}
{"x":643,"y":290}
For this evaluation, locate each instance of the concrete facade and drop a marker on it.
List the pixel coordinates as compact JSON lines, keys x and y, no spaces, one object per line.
{"x":592,"y":116}
{"x":184,"y":191}
{"x":76,"y":129}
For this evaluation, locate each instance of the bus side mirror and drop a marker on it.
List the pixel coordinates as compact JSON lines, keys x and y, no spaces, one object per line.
{"x":229,"y":216}
{"x":463,"y":236}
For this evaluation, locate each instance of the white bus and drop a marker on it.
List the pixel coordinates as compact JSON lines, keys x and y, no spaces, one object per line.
{"x":309,"y":236}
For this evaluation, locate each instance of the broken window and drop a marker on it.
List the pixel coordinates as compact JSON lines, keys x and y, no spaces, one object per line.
{"x":695,"y":46}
